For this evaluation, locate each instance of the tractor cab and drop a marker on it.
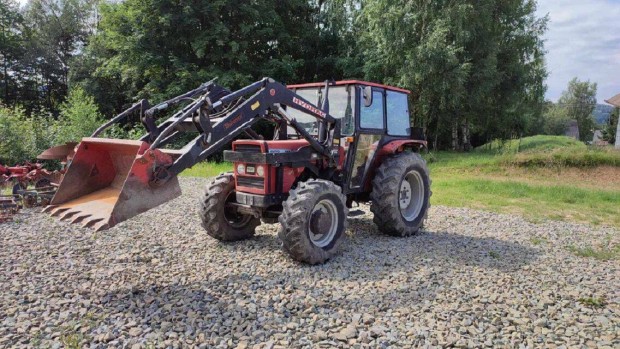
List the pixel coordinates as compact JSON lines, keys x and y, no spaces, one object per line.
{"x":371,"y":116}
{"x":362,"y":107}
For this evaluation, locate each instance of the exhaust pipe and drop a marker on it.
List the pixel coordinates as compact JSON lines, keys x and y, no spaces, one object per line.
{"x":109,"y":181}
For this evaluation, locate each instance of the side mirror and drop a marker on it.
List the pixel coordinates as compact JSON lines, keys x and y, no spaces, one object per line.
{"x":367,"y":93}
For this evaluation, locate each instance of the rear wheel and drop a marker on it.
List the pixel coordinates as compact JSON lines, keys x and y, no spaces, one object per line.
{"x":313,"y":221}
{"x":18,"y":187}
{"x":220,"y":219}
{"x":400,"y":194}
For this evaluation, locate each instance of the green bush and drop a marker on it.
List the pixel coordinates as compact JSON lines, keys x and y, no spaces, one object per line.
{"x":24,"y":137}
{"x":79,"y":117}
{"x":119,"y":132}
{"x":556,"y":120}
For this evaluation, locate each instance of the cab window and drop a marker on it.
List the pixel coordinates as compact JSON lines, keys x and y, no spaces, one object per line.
{"x":307,"y":121}
{"x":398,"y":123}
{"x":341,"y":106}
{"x":372,"y":116}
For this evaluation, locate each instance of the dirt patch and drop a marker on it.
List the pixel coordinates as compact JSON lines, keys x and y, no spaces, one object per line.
{"x":602,"y":177}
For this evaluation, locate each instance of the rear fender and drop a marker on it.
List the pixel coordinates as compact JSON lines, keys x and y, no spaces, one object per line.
{"x":390,"y":148}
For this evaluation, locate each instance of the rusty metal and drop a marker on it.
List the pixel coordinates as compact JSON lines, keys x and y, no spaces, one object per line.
{"x":60,"y":152}
{"x":27,"y":174}
{"x":41,"y":196}
{"x":109,"y":181}
{"x":9,"y":205}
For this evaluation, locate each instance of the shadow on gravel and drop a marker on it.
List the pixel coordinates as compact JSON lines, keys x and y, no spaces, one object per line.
{"x":385,"y":253}
{"x":380,"y":254}
{"x":364,"y":272}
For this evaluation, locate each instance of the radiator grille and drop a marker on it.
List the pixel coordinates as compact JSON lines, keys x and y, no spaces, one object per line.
{"x":248,"y":148}
{"x":250,"y":182}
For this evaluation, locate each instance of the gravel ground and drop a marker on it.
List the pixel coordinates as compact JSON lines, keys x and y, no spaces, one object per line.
{"x":472,"y":279}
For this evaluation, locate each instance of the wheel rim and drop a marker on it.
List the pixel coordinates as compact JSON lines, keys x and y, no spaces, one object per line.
{"x":233,"y":217}
{"x":323,"y":223}
{"x":411,"y":195}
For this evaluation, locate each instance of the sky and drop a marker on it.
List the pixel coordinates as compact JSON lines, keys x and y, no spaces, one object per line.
{"x":583,"y":41}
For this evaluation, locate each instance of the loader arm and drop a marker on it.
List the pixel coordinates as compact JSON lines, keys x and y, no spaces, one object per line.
{"x":266,"y":98}
{"x":110,"y":180}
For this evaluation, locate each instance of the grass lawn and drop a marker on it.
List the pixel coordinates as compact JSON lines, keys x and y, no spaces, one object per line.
{"x":540,"y":177}
{"x":207,"y":169}
{"x":543,"y":177}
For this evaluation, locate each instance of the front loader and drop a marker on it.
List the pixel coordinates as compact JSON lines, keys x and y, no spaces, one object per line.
{"x":335,"y":143}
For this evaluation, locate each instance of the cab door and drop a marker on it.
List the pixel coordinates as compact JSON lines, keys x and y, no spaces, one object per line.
{"x":370,"y":129}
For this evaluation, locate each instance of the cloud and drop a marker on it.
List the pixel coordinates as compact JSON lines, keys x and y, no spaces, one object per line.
{"x":583,"y":41}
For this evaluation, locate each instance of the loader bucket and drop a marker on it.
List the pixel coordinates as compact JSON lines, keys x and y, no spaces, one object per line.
{"x":107,"y":182}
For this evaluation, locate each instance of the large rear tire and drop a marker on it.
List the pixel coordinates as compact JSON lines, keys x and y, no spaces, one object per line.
{"x":313,"y":221}
{"x":220,"y":222}
{"x":400,"y":195}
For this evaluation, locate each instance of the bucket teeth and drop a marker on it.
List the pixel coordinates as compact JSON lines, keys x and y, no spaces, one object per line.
{"x":89,"y":223}
{"x":79,"y":218}
{"x":48,"y":208}
{"x":67,"y":214}
{"x":58,"y":210}
{"x":103,"y":225}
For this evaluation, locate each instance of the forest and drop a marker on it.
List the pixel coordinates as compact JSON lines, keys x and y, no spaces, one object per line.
{"x":476,"y":69}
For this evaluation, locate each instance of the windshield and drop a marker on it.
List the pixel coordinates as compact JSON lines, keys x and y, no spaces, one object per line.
{"x":341,"y":106}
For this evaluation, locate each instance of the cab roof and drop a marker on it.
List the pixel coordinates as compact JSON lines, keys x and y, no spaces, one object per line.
{"x":349,"y":82}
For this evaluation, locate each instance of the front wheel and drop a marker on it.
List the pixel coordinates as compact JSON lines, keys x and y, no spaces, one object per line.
{"x":401,"y":194}
{"x":313,"y":221}
{"x":219,"y":217}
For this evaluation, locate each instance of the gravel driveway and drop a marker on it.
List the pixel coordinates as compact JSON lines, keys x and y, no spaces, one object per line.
{"x":472,"y":279}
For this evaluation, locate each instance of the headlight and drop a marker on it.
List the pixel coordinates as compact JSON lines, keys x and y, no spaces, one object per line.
{"x":260,"y":170}
{"x":241,"y":169}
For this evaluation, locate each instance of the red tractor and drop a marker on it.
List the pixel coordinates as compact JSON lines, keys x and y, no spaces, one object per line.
{"x":334,"y":143}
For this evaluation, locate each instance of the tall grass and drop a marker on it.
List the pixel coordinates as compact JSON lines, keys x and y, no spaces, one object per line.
{"x":536,"y":151}
{"x":571,"y":157}
{"x":540,"y":143}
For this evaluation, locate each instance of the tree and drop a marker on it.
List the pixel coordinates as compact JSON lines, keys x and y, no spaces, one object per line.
{"x":23,"y":136}
{"x":160,"y":48}
{"x":609,"y":132}
{"x":556,"y":119}
{"x":580,"y":100}
{"x":11,"y":50}
{"x":79,"y":117}
{"x":58,"y":30}
{"x":476,"y":68}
